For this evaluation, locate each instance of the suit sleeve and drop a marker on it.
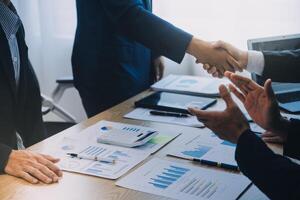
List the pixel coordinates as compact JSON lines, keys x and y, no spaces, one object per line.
{"x":291,"y":147}
{"x":275,"y":175}
{"x":4,"y":154}
{"x":282,"y":66}
{"x":135,"y":22}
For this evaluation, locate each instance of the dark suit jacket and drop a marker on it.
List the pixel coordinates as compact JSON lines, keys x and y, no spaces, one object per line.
{"x":275,"y":175}
{"x":115,"y":43}
{"x":20,"y":108}
{"x":282,"y":66}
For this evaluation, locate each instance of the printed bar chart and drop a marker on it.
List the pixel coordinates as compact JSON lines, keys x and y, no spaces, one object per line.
{"x":179,"y":181}
{"x":168,"y":177}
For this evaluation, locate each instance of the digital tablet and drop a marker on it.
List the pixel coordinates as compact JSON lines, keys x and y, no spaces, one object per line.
{"x":172,"y":102}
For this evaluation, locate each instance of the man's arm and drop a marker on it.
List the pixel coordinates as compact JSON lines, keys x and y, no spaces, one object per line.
{"x":275,"y":175}
{"x":282,"y":66}
{"x":4,"y":155}
{"x":291,"y":146}
{"x":134,"y":21}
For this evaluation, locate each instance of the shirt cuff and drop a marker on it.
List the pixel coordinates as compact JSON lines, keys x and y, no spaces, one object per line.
{"x":256,"y":62}
{"x":4,"y":155}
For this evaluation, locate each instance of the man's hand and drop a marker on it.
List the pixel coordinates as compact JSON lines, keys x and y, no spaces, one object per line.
{"x":159,"y":68}
{"x":228,"y":124}
{"x":33,"y":167}
{"x":206,"y":53}
{"x":260,"y":103}
{"x":240,"y":59}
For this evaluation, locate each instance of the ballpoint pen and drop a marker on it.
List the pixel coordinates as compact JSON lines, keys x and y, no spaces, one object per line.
{"x":169,"y":114}
{"x":95,"y":158}
{"x":216,"y":164}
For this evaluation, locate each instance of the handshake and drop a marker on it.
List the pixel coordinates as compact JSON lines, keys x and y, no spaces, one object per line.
{"x":218,"y":57}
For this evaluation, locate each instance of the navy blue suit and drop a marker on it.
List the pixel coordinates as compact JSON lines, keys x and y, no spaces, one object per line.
{"x":115,"y":43}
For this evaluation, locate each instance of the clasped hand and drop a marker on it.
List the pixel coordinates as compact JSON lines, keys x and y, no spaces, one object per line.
{"x":212,"y":55}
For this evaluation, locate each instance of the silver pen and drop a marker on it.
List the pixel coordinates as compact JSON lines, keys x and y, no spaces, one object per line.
{"x":95,"y":158}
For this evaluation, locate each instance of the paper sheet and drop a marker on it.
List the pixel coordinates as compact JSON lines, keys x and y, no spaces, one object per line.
{"x":125,"y":158}
{"x":92,"y":133}
{"x":180,"y":181}
{"x":206,"y":146}
{"x":254,"y":193}
{"x":185,"y":84}
{"x":144,"y":114}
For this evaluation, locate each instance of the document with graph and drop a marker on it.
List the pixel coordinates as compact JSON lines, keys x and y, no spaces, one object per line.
{"x":193,"y":85}
{"x":206,"y":146}
{"x":181,"y":181}
{"x":92,"y":133}
{"x":124,"y":158}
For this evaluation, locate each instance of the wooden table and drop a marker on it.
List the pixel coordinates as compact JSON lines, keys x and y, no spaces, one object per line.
{"x":81,"y":187}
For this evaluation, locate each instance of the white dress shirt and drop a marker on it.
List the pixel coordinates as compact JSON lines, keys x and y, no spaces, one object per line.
{"x":256,"y":62}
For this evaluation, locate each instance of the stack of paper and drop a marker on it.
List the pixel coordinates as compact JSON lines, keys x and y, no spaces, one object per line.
{"x":193,"y":85}
{"x":125,"y":158}
{"x":85,"y":144}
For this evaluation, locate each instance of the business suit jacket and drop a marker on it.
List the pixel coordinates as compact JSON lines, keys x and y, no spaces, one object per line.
{"x":115,"y":43}
{"x":275,"y":175}
{"x":282,"y":66}
{"x":20,"y":108}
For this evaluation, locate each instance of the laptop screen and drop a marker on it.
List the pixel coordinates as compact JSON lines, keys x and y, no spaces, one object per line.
{"x":278,"y":43}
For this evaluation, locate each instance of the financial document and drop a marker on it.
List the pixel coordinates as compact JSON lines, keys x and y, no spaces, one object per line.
{"x":180,"y":181}
{"x":92,"y":133}
{"x":206,"y":146}
{"x":144,"y":114}
{"x":125,"y":158}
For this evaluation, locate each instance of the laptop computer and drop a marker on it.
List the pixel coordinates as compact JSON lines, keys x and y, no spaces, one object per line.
{"x":288,"y":94}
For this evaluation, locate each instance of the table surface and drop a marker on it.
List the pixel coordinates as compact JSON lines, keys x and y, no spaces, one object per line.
{"x":76,"y":186}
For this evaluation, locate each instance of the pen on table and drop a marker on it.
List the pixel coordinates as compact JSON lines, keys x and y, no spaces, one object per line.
{"x":169,"y":114}
{"x":95,"y":158}
{"x":216,"y":164}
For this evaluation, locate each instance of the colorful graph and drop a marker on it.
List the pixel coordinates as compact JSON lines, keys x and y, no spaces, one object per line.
{"x":197,"y":152}
{"x":169,"y":176}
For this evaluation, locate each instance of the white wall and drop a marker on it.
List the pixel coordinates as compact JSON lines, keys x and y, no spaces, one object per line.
{"x":234,"y":21}
{"x":50,"y":27}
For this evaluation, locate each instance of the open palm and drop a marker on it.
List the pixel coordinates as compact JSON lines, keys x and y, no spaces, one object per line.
{"x":260,"y":102}
{"x":262,"y":108}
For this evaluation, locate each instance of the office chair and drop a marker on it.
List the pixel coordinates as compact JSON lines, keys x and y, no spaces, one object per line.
{"x":51,"y":105}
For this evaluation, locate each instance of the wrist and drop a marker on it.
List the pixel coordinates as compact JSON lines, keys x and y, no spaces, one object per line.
{"x":242,"y":130}
{"x":244,"y":59}
{"x":196,"y":48}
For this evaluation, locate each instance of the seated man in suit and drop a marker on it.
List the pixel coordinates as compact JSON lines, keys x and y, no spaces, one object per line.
{"x":277,"y":176}
{"x":20,"y":106}
{"x":117,"y":48}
